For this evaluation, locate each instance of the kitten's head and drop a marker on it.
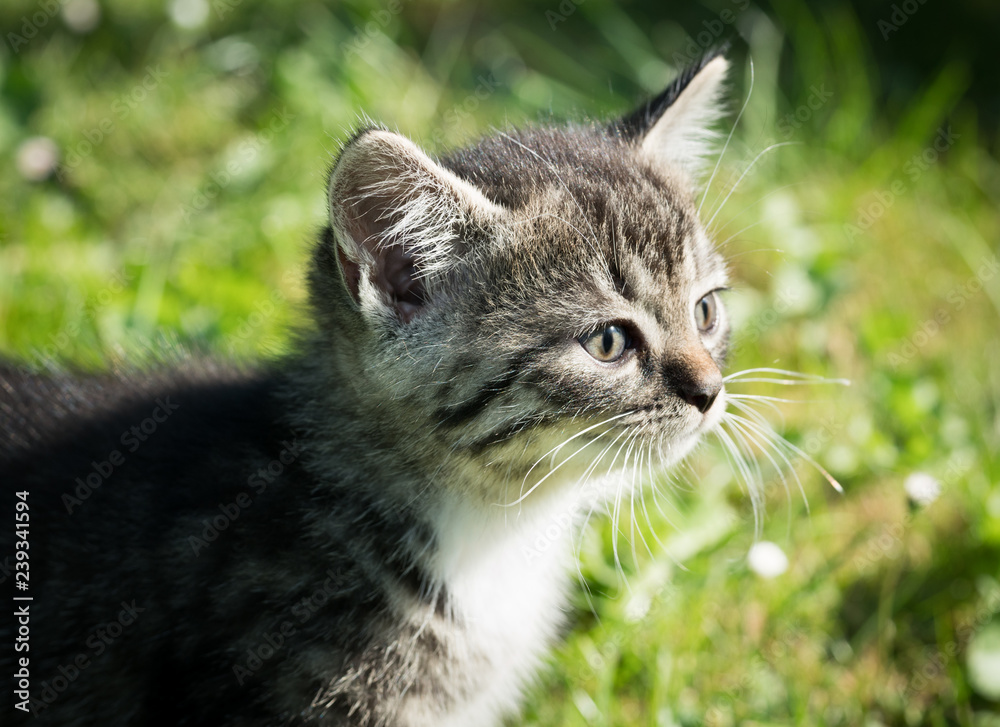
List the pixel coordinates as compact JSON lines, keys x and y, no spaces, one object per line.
{"x":539,"y":284}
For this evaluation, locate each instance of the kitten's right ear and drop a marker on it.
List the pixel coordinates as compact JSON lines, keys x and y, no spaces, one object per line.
{"x":675,"y":128}
{"x":399,"y":221}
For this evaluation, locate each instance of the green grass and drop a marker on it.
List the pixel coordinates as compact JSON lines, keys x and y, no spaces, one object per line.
{"x":186,"y":224}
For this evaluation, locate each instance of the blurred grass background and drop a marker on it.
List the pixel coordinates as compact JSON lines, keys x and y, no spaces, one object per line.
{"x":163,"y":176}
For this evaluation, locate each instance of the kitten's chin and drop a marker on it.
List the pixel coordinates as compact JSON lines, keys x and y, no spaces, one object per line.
{"x":703,"y":425}
{"x":713,"y":417}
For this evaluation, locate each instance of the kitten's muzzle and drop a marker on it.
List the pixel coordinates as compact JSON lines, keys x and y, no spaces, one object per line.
{"x":696,"y":379}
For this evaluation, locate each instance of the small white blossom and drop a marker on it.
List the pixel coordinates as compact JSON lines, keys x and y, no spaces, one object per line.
{"x":767,"y":559}
{"x":37,"y":158}
{"x":922,"y":488}
{"x":983,"y":660}
{"x":81,"y":16}
{"x":188,"y":14}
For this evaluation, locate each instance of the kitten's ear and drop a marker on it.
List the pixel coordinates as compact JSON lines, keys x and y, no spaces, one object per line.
{"x":676,"y":127}
{"x":398,"y":218}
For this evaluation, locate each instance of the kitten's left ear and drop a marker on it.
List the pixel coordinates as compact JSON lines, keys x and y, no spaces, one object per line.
{"x":400,"y":222}
{"x":676,"y":128}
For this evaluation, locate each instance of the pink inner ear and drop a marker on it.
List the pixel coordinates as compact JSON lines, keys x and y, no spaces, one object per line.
{"x":352,"y":273}
{"x":394,"y":271}
{"x":396,"y":274}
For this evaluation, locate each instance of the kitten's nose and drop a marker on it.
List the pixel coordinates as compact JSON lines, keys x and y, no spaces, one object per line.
{"x":701,"y":393}
{"x":696,"y":379}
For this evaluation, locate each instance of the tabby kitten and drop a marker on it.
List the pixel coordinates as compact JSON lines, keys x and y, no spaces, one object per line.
{"x":349,"y":535}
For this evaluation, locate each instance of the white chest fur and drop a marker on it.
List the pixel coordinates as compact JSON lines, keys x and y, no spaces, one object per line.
{"x":506,"y":574}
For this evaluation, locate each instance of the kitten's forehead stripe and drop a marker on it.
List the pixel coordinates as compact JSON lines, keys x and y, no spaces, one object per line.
{"x":598,"y":187}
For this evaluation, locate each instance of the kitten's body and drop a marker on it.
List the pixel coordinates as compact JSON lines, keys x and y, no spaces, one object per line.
{"x":371,"y":533}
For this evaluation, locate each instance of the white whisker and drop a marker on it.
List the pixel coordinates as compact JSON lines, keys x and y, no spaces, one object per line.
{"x":738,"y":376}
{"x":729,"y":138}
{"x":746,"y":209}
{"x":742,"y":471}
{"x":782,"y":442}
{"x":556,"y":449}
{"x":745,"y":172}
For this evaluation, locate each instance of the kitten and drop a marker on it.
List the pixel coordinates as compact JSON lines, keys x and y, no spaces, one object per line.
{"x":348,"y":536}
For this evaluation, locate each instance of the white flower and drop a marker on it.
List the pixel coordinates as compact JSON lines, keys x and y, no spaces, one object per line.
{"x":983,"y":661}
{"x":81,"y":16}
{"x":767,"y":560}
{"x":188,"y":14}
{"x":922,"y":488}
{"x":37,"y":158}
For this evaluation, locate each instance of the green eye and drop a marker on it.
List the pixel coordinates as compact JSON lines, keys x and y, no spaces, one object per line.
{"x":607,"y":344}
{"x":706,"y":312}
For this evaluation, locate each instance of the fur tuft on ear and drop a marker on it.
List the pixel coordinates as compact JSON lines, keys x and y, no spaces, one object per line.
{"x":676,"y":128}
{"x":397,"y":217}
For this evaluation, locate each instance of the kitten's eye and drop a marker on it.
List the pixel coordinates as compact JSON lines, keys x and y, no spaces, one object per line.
{"x":606,"y":345}
{"x":706,"y":312}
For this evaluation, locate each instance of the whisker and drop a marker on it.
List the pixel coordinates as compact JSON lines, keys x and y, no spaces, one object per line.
{"x":745,"y":172}
{"x":737,"y":234}
{"x":786,"y":382}
{"x":797,"y":375}
{"x":747,"y":449}
{"x":593,"y":241}
{"x":616,"y":511}
{"x":770,"y":439}
{"x":741,"y":469}
{"x":552,"y":471}
{"x":729,"y":138}
{"x":768,"y":399}
{"x":782,"y":442}
{"x":636,"y":526}
{"x":562,"y":444}
{"x":749,"y":207}
{"x":757,"y":416}
{"x":737,"y":423}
